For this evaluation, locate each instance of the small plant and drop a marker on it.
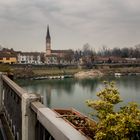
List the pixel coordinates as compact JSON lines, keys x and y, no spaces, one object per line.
{"x":114,"y":125}
{"x":79,"y":121}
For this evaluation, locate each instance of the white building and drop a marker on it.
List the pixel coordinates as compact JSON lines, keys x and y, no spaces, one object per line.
{"x":29,"y":58}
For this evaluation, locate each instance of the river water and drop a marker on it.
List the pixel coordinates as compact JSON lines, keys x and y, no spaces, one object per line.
{"x":69,"y":93}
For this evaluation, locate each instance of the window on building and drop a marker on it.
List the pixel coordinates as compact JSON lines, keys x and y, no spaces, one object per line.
{"x":7,"y":58}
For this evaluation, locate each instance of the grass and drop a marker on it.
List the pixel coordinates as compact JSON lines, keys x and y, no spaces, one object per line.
{"x":5,"y":68}
{"x":55,"y":71}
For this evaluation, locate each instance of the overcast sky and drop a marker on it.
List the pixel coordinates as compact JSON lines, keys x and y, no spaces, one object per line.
{"x":114,"y":23}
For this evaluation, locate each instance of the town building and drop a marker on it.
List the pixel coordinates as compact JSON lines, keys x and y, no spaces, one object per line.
{"x":29,"y":58}
{"x":57,"y":56}
{"x":50,"y":56}
{"x":8,"y":56}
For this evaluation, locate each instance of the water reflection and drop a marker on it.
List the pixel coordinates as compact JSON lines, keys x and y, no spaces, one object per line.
{"x":91,"y":84}
{"x":125,"y":81}
{"x":131,"y":81}
{"x":45,"y":87}
{"x":47,"y":96}
{"x":73,"y":92}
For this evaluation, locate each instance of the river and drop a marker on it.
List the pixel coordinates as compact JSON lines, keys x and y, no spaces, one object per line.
{"x":69,"y":93}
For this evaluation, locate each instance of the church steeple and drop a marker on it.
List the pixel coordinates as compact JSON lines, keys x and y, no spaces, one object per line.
{"x":48,"y":42}
{"x":48,"y":33}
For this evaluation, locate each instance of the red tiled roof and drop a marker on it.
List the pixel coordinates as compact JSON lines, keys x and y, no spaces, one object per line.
{"x":6,"y":55}
{"x":61,"y":51}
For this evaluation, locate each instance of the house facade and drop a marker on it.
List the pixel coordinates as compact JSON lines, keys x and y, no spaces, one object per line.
{"x":8,"y":59}
{"x":8,"y":56}
{"x":29,"y":58}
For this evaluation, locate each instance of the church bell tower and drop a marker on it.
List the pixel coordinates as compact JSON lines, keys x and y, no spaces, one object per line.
{"x":48,"y":42}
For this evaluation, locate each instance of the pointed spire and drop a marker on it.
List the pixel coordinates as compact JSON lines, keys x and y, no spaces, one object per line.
{"x":48,"y":33}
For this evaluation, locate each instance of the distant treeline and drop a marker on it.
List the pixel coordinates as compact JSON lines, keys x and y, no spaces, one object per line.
{"x":121,"y":52}
{"x":125,"y":52}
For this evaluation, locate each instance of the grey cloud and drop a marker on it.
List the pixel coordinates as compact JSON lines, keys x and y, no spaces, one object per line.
{"x":86,"y":17}
{"x":103,"y":10}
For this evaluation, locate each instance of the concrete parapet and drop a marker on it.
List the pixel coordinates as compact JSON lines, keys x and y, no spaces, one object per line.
{"x":28,"y":116}
{"x":16,"y":88}
{"x":55,"y":125}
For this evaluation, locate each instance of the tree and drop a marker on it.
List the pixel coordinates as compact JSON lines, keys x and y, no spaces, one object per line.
{"x":1,"y":47}
{"x":69,"y":56}
{"x":116,"y":52}
{"x":125,"y":52}
{"x":137,"y":51}
{"x":87,"y":51}
{"x":114,"y":125}
{"x":104,"y":51}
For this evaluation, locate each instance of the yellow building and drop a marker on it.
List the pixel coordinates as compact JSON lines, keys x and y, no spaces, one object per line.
{"x":8,"y":59}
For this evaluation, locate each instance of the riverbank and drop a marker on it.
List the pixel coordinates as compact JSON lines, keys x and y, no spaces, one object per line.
{"x":122,"y":70}
{"x":77,"y":73}
{"x":107,"y":71}
{"x":54,"y":72}
{"x":88,"y":74}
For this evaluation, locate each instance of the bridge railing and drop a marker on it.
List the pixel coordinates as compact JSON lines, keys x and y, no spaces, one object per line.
{"x":29,"y":119}
{"x":15,"y":104}
{"x":12,"y":95}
